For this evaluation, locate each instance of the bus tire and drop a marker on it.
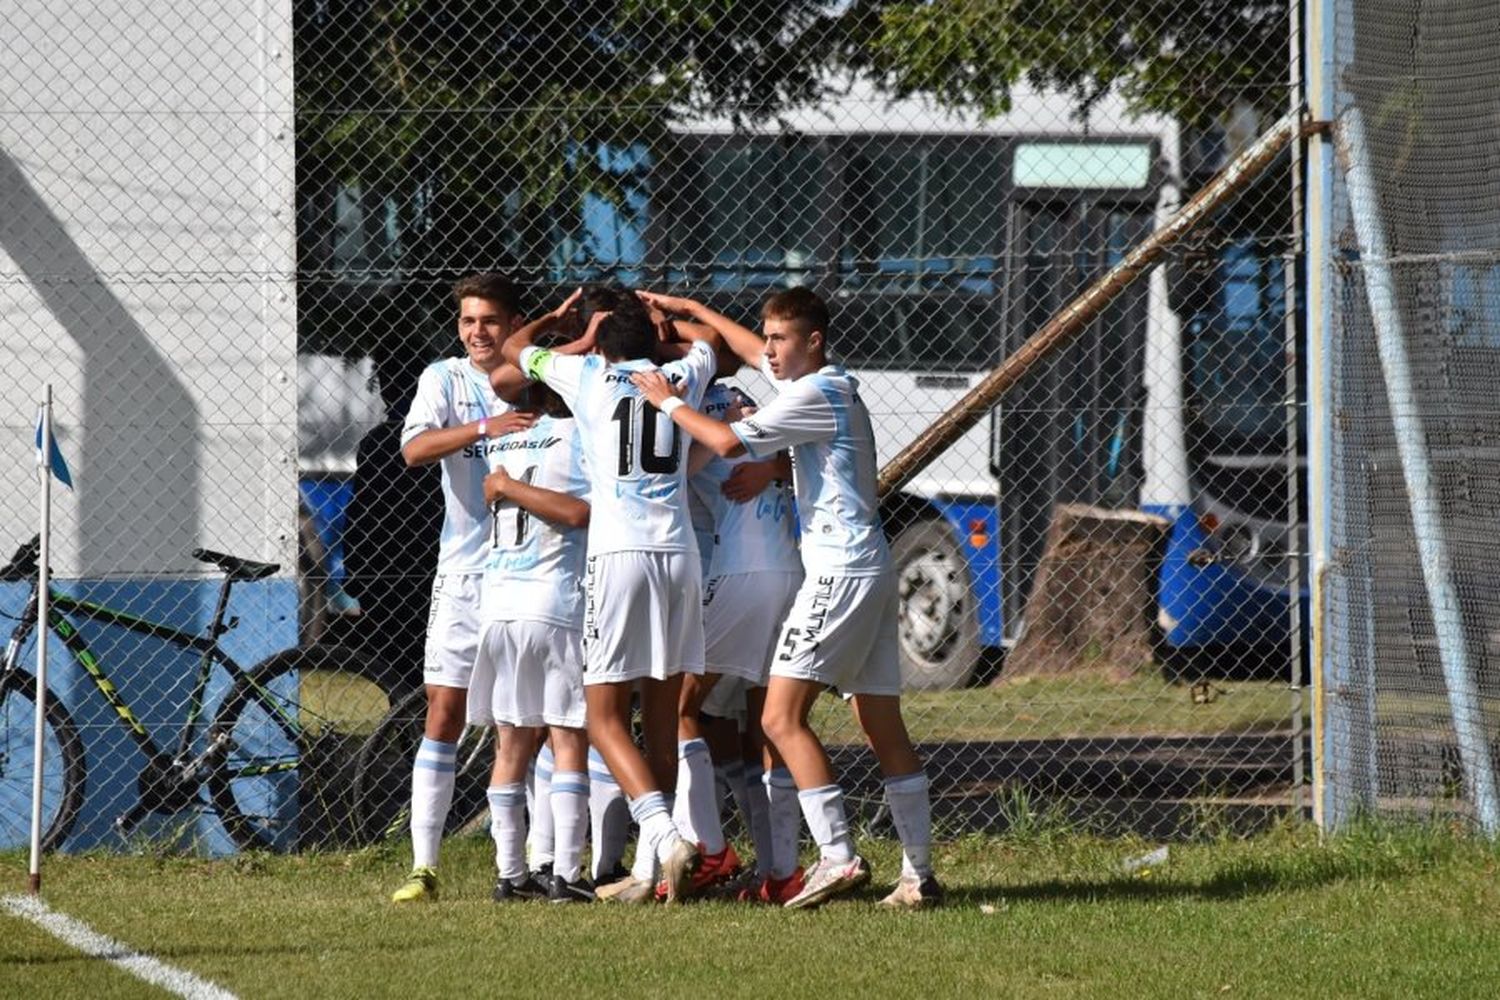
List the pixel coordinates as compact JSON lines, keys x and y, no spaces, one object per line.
{"x":938,"y":619}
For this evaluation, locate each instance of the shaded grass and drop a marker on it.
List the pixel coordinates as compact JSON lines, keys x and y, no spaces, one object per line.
{"x":1379,"y":912}
{"x":1061,"y":707}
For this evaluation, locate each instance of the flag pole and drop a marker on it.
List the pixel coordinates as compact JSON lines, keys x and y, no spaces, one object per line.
{"x":43,"y":595}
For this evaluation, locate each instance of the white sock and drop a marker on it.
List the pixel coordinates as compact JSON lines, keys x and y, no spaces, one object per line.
{"x":508,"y":827}
{"x":431,"y":795}
{"x":911,"y":810}
{"x":609,"y":817}
{"x":757,"y":813}
{"x":539,"y":844}
{"x":786,"y":821}
{"x":570,"y":804}
{"x":698,"y":798}
{"x":823,"y":808}
{"x":657,"y":832}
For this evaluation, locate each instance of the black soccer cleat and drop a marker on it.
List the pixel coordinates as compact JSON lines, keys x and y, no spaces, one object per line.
{"x":523,"y":889}
{"x":578,"y":891}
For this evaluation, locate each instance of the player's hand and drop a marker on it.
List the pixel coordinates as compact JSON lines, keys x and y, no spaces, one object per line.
{"x":667,"y":303}
{"x":748,"y":481}
{"x":654,"y":386}
{"x":568,"y":303}
{"x":495,"y":485}
{"x":511,"y":422}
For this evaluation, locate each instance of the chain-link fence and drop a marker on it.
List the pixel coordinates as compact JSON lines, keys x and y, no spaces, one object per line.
{"x":1413,"y":291}
{"x":230,"y":244}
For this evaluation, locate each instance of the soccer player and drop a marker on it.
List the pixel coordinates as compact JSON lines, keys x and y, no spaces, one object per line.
{"x":454,"y":419}
{"x":754,"y":572}
{"x":529,"y":671}
{"x":643,"y":620}
{"x":841,"y":631}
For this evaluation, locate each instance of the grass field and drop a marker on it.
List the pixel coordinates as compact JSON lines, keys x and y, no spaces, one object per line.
{"x":1085,"y":705}
{"x":1375,"y":913}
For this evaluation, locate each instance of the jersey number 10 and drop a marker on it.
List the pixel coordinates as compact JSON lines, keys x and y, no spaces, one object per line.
{"x":629,"y":415}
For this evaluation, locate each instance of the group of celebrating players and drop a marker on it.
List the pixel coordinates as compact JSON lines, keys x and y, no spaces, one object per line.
{"x":617,"y":528}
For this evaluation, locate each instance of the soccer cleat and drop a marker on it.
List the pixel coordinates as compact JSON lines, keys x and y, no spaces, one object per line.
{"x":577,"y":891}
{"x":678,"y":868}
{"x":627,"y":890}
{"x":525,"y":888}
{"x":421,"y":886}
{"x":828,"y":879}
{"x":717,"y":872}
{"x":914,"y":893}
{"x":775,"y":891}
{"x":543,"y":874}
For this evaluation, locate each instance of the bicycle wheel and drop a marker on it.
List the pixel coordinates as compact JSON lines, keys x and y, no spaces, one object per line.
{"x":285,"y":739}
{"x":63,"y":769}
{"x":381,"y":799}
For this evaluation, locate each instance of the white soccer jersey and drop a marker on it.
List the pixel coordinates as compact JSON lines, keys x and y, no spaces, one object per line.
{"x":449,"y":393}
{"x":535,"y":568}
{"x":636,"y":457}
{"x":821,"y":418}
{"x":753,"y":537}
{"x":703,"y":488}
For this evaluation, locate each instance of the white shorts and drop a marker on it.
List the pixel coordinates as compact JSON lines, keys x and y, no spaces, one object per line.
{"x":528,"y":674}
{"x":841,"y":631}
{"x":726,"y":700}
{"x":643,"y":616}
{"x":453,"y":626}
{"x":742,"y":616}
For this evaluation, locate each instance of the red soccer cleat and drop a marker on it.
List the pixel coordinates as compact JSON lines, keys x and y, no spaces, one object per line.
{"x":774,"y":891}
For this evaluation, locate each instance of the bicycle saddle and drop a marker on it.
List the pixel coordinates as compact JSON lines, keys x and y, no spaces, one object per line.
{"x":237,"y":568}
{"x":22,"y":565}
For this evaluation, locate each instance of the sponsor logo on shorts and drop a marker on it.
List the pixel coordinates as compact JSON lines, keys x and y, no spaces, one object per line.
{"x":590,"y":610}
{"x":711,"y":589}
{"x":810,"y":634}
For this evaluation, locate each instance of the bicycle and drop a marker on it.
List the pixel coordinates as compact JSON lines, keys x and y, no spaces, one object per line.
{"x":268,"y":761}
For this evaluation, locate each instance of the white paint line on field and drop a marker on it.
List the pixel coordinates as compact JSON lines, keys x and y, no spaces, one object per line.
{"x":81,"y":936}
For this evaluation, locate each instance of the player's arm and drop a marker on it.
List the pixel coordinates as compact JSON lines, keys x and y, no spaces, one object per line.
{"x":523,"y":338}
{"x":430,"y":433}
{"x":561,"y":509}
{"x":750,"y":479}
{"x":746,"y":343}
{"x":715,"y":436}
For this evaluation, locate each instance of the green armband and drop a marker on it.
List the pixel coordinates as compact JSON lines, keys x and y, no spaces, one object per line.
{"x":536,"y":362}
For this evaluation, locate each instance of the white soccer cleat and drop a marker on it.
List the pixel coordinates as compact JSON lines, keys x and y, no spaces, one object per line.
{"x":828,"y":879}
{"x":914,"y":892}
{"x":677,"y":869}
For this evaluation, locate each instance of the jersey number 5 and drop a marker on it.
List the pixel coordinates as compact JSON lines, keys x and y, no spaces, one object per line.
{"x":629,"y":415}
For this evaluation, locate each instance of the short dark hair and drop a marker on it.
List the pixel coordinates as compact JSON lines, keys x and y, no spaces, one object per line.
{"x":603,"y":298}
{"x":492,"y":287}
{"x":627,"y":333}
{"x":798,"y":305}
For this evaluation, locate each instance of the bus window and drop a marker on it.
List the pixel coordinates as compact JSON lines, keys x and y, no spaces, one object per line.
{"x":747,"y":215}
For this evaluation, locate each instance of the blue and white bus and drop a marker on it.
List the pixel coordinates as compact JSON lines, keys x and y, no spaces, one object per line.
{"x":942,"y":244}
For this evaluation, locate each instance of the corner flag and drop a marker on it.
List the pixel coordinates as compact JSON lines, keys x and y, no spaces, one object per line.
{"x":54,"y":456}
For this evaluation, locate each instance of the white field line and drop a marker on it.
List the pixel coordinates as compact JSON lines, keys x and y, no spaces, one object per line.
{"x":79,"y":935}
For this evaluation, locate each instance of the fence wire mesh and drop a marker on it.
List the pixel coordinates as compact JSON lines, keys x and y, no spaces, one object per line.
{"x":1412,"y":616}
{"x":230,"y":245}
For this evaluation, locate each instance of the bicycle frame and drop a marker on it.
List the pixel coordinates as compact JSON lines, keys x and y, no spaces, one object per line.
{"x":208,"y":645}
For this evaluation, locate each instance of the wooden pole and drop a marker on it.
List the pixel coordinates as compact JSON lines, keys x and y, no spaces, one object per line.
{"x":1073,"y":318}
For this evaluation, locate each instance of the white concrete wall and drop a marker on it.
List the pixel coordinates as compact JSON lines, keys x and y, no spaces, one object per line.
{"x":146,"y":270}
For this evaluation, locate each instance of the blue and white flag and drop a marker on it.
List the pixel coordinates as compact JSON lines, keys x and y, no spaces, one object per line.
{"x":54,"y":456}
